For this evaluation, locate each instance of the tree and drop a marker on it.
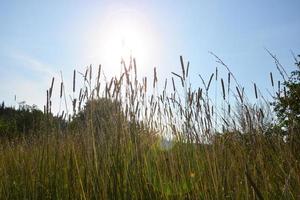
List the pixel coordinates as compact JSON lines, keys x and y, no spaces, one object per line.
{"x":102,"y":115}
{"x":27,"y":120}
{"x":287,"y":105}
{"x":24,"y":120}
{"x":106,"y":119}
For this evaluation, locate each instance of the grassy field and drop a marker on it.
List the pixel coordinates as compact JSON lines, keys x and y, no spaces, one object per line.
{"x":123,"y":142}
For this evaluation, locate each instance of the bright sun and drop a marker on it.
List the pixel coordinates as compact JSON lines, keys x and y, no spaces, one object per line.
{"x":120,"y":36}
{"x":123,"y":40}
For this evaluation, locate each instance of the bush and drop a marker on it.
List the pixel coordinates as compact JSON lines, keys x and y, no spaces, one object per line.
{"x":287,"y":108}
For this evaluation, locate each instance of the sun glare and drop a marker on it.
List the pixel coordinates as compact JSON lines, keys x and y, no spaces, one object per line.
{"x":121,"y":36}
{"x":124,"y":40}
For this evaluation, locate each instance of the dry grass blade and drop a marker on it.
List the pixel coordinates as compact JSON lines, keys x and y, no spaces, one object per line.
{"x":182,"y":82}
{"x":74,"y":80}
{"x":110,"y":84}
{"x":80,"y":92}
{"x":166,"y":83}
{"x":253,"y":185}
{"x":262,"y":113}
{"x":187,"y":69}
{"x":272,"y":80}
{"x":135,"y":70}
{"x":145,"y":84}
{"x":223,"y":64}
{"x":182,"y":67}
{"x":99,"y":74}
{"x":155,"y":78}
{"x":223,"y":88}
{"x":61,"y":89}
{"x":47,"y":103}
{"x":90,"y":74}
{"x":203,"y":82}
{"x":173,"y":83}
{"x":51,"y":88}
{"x":224,"y":120}
{"x":240,"y":94}
{"x":255,"y":90}
{"x":280,"y":68}
{"x":74,"y":105}
{"x":228,"y":81}
{"x":209,"y":82}
{"x":86,"y":72}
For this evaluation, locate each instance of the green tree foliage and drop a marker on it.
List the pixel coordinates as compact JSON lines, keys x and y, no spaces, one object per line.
{"x":17,"y":121}
{"x":27,"y":120}
{"x":287,"y":106}
{"x":99,"y":115}
{"x":107,"y":120}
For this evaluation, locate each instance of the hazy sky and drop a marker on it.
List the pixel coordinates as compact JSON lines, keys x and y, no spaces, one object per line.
{"x":40,"y":38}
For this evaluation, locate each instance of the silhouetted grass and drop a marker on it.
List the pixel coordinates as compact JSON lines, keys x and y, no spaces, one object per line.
{"x":123,"y":142}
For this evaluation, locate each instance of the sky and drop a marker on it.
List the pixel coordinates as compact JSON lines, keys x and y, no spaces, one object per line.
{"x":38,"y":39}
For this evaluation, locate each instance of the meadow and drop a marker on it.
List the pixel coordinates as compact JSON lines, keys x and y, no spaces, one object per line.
{"x":127,"y":138}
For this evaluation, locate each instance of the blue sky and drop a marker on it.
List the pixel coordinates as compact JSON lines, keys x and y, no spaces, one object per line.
{"x":40,"y":38}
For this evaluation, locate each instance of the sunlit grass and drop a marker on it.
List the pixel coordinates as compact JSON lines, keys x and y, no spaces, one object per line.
{"x":127,"y":144}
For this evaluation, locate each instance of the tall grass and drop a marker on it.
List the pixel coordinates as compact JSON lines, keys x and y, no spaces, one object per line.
{"x":124,"y":142}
